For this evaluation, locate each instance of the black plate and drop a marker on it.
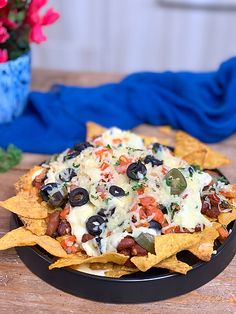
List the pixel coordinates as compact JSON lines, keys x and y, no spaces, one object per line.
{"x":153,"y":285}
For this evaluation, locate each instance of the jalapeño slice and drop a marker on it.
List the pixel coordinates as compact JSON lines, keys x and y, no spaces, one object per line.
{"x":176,"y":181}
{"x":146,"y":240}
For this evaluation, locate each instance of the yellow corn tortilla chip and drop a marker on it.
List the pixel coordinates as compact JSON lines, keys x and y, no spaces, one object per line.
{"x":26,"y":205}
{"x":166,"y":129}
{"x":117,"y":273}
{"x":215,"y":159}
{"x":166,"y":246}
{"x":186,"y":145}
{"x":196,"y":158}
{"x":150,"y":139}
{"x":204,"y":249}
{"x":112,"y":270}
{"x":93,"y":130}
{"x":25,"y":181}
{"x":173,"y":264}
{"x":78,"y":259}
{"x":36,"y":226}
{"x":16,"y":237}
{"x":226,"y":218}
{"x":23,"y":237}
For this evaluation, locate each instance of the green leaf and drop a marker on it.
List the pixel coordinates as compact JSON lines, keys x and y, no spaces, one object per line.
{"x":9,"y":158}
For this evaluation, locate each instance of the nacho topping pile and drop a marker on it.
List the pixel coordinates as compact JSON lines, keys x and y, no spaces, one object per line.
{"x":115,"y":201}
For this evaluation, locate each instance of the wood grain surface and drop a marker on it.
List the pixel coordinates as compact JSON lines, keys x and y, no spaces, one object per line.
{"x":23,"y":292}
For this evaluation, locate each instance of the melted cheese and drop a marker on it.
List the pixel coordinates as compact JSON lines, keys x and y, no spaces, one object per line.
{"x":88,"y":167}
{"x":77,"y":219}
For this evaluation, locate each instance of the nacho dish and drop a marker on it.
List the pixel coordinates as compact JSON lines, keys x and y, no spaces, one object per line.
{"x":120,"y":203}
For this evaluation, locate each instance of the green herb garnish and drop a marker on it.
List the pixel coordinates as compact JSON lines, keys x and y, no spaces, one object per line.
{"x":9,"y":157}
{"x":137,"y":186}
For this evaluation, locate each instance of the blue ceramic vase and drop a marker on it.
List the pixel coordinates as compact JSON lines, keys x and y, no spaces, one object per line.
{"x":15,"y":78}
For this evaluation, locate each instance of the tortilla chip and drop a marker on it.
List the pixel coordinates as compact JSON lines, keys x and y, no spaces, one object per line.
{"x":150,"y":139}
{"x":101,"y":266}
{"x":36,"y":226}
{"x":229,"y":191}
{"x":94,"y":130}
{"x":117,"y":273}
{"x":215,"y":159}
{"x":187,"y":145}
{"x":23,"y":237}
{"x":166,"y":129}
{"x":173,"y":264}
{"x":204,"y":249}
{"x":78,"y":259}
{"x":25,"y":182}
{"x":26,"y":205}
{"x":166,"y":246}
{"x":226,"y":218}
{"x":16,"y":237}
{"x":197,"y":158}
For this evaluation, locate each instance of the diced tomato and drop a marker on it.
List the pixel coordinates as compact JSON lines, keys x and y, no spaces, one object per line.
{"x":104,"y":166}
{"x":65,"y":212}
{"x":159,"y":217}
{"x":103,"y":152}
{"x":68,"y":243}
{"x":140,"y":191}
{"x":102,"y":195}
{"x":150,"y":207}
{"x":147,"y":201}
{"x":116,"y":141}
{"x":223,"y":233}
{"x":229,"y":191}
{"x":124,"y":160}
{"x":142,"y":224}
{"x":164,"y":170}
{"x":171,"y":229}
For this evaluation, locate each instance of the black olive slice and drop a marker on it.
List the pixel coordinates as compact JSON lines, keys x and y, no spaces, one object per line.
{"x":116,"y":191}
{"x":54,"y":194}
{"x":70,"y":155}
{"x":154,"y":161}
{"x":155,"y":225}
{"x":78,"y":197}
{"x":67,"y":174}
{"x":81,"y":146}
{"x":136,"y":170}
{"x":157,"y":146}
{"x":94,"y":225}
{"x":106,"y":212}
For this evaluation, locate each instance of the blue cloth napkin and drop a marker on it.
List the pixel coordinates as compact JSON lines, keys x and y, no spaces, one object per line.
{"x":203,"y":104}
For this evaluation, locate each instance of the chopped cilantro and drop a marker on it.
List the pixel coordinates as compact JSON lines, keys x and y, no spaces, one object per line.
{"x":9,"y":157}
{"x":137,"y":186}
{"x":106,"y":201}
{"x":75,"y":166}
{"x":108,"y":146}
{"x":94,"y":197}
{"x":223,"y":179}
{"x":196,"y":168}
{"x":117,"y":163}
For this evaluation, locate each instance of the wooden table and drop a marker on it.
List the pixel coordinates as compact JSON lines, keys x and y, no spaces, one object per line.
{"x":21,"y":291}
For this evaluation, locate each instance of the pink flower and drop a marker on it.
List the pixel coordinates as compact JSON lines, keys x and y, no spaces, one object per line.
{"x":36,"y":34}
{"x":3,"y":55}
{"x":36,"y":21}
{"x":50,"y":17}
{"x":3,"y":34}
{"x":3,"y":3}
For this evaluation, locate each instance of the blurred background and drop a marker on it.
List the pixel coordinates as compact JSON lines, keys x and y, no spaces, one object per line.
{"x":134,"y":35}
